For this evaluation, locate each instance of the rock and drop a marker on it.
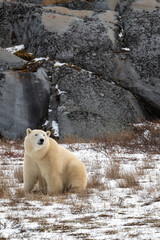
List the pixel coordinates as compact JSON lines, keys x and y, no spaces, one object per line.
{"x":77,"y":5}
{"x":24,"y":101}
{"x":90,"y":5}
{"x":90,"y":106}
{"x":139,"y":72}
{"x":141,"y":24}
{"x":86,"y":34}
{"x":13,"y":21}
{"x":105,"y":4}
{"x":123,"y":5}
{"x":84,"y":38}
{"x":146,"y":89}
{"x":9,"y":61}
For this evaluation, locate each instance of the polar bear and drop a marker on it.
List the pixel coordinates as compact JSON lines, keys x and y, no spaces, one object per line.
{"x":56,"y":168}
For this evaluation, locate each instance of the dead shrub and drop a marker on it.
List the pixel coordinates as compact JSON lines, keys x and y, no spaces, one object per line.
{"x":113,"y":170}
{"x":4,"y":189}
{"x":50,"y":2}
{"x":144,"y":137}
{"x":20,"y":193}
{"x":24,"y":55}
{"x":95,"y":182}
{"x":71,"y":139}
{"x":128,"y":180}
{"x":18,"y":174}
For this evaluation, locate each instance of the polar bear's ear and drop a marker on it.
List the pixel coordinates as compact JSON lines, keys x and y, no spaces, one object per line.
{"x":48,"y":133}
{"x":28,"y":131}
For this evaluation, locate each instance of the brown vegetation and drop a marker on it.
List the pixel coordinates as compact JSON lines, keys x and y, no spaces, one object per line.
{"x":143,"y":137}
{"x":18,"y":174}
{"x":24,"y":55}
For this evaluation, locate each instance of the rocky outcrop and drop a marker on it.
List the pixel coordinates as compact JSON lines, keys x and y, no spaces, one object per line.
{"x":116,"y":40}
{"x":24,"y":99}
{"x":141,"y":24}
{"x":90,"y":106}
{"x":13,"y":20}
{"x":84,"y":38}
{"x":9,"y":61}
{"x":139,"y":73}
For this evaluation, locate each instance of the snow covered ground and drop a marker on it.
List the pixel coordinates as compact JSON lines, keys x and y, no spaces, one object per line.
{"x":122,"y":200}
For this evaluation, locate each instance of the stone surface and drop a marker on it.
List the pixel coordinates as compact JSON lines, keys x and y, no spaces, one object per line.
{"x":146,"y":89}
{"x":84,"y":38}
{"x":13,"y":21}
{"x":9,"y":61}
{"x":142,"y":35}
{"x":90,"y":106}
{"x":105,"y":4}
{"x":139,"y":72}
{"x":24,"y":99}
{"x":88,"y":35}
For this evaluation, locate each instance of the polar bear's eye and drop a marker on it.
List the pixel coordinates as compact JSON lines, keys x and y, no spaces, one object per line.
{"x":44,"y":135}
{"x":36,"y":134}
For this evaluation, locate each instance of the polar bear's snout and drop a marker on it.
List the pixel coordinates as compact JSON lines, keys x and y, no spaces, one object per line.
{"x":41,"y":141}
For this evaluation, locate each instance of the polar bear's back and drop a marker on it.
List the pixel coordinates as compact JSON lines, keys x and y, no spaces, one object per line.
{"x":74,"y":171}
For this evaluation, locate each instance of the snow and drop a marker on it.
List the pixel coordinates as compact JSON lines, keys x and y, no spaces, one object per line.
{"x":46,"y":123}
{"x":105,"y":211}
{"x":120,"y":34}
{"x":15,"y":48}
{"x":58,"y":90}
{"x":55,"y":128}
{"x":126,"y":49}
{"x":58,"y":64}
{"x":40,"y":59}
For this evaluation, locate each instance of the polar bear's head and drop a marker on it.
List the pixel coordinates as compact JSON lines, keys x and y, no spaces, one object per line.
{"x":37,"y":139}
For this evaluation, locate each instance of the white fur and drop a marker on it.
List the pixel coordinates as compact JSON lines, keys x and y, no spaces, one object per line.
{"x":56,"y":168}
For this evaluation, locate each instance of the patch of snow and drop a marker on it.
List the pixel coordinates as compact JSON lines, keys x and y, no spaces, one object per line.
{"x":146,"y":134}
{"x":41,"y":58}
{"x":15,"y":48}
{"x":59,"y":91}
{"x":46,"y":123}
{"x":55,"y":127}
{"x":120,"y":34}
{"x":105,"y":212}
{"x":58,"y":64}
{"x":126,"y":49}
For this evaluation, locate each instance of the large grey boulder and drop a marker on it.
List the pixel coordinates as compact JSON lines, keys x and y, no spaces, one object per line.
{"x":9,"y":60}
{"x":139,"y":72}
{"x":24,"y":99}
{"x":147,"y":90}
{"x":85,"y":38}
{"x":141,"y":24}
{"x":13,"y":20}
{"x":90,"y":5}
{"x":90,"y":39}
{"x":90,"y":106}
{"x":105,"y":4}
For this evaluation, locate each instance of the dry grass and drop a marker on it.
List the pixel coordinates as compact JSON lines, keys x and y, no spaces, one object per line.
{"x":71,"y":139}
{"x":4,"y":188}
{"x":93,"y":208}
{"x":127,"y":179}
{"x":20,"y":193}
{"x":18,"y":174}
{"x":113,"y":170}
{"x":50,"y":2}
{"x":94,"y":182}
{"x":144,"y":137}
